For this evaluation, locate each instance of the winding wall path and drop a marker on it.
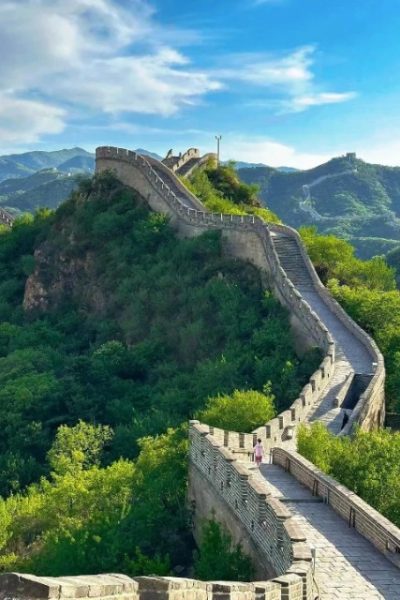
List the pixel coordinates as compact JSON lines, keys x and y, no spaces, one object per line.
{"x":348,"y":352}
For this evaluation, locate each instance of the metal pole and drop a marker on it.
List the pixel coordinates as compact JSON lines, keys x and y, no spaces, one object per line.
{"x":218,"y":138}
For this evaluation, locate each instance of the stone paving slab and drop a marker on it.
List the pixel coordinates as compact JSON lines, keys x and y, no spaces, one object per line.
{"x":347,"y":565}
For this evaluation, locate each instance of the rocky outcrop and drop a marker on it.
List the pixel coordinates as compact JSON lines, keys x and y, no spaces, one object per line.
{"x":58,"y":277}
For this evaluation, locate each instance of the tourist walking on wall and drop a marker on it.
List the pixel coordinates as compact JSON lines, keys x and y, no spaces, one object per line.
{"x":258,"y":451}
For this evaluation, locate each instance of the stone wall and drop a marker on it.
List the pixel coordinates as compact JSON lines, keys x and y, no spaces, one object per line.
{"x":18,"y":586}
{"x":277,"y":545}
{"x":203,"y":160}
{"x":244,"y":237}
{"x":185,"y":157}
{"x":370,"y":410}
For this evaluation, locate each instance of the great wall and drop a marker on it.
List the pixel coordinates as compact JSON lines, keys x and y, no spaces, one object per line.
{"x":309,"y":536}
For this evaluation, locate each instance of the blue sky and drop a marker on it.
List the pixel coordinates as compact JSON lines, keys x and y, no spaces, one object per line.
{"x":291,"y":82}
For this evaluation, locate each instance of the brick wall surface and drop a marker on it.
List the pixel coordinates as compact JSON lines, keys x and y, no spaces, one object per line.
{"x":18,"y":586}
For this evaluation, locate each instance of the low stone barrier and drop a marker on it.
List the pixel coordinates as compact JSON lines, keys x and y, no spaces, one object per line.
{"x":19,"y":586}
{"x":367,"y":521}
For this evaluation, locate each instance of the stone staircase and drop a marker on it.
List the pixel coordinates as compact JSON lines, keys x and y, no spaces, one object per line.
{"x":291,"y":260}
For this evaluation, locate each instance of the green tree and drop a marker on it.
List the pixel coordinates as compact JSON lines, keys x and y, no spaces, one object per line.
{"x":368,"y":463}
{"x":241,"y":411}
{"x":78,"y":447}
{"x":334,"y":258}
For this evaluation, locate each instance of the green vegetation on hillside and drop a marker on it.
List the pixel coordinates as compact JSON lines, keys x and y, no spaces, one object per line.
{"x":354,"y":200}
{"x":220,"y":190}
{"x":367,"y":463}
{"x":86,"y":518}
{"x":367,"y":291}
{"x":334,"y":258}
{"x":140,"y":329}
{"x":393,"y":259}
{"x":242,"y":411}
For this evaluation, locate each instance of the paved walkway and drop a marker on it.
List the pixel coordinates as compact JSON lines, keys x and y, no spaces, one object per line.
{"x":351,"y":355}
{"x":347,"y":566}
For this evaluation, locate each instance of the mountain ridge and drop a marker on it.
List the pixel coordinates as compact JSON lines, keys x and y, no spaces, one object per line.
{"x":345,"y":196}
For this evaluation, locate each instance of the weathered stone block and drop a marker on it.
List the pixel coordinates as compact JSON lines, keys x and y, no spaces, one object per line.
{"x":291,"y":587}
{"x":26,"y":587}
{"x":267,"y":590}
{"x":29,"y":587}
{"x":225,"y":590}
{"x":171,"y":588}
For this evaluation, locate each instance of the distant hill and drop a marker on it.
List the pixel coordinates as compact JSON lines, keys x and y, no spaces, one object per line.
{"x":80,"y":164}
{"x":239,"y":164}
{"x":147,"y":153}
{"x":345,"y":196}
{"x":36,"y":179}
{"x":21,"y":165}
{"x":48,"y":187}
{"x":287,"y":169}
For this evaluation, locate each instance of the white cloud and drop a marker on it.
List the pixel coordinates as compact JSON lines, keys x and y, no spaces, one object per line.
{"x":288,"y":78}
{"x":385,"y":151}
{"x":27,"y":120}
{"x":382,"y":150}
{"x":269,"y":152}
{"x":271,"y":71}
{"x":88,"y":56}
{"x":147,"y":84}
{"x":300,"y":103}
{"x":63,"y":58}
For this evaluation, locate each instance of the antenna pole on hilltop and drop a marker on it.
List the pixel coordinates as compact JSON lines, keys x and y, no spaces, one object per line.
{"x":218,"y":138}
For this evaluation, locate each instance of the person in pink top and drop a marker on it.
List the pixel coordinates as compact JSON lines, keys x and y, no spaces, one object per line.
{"x":258,"y":452}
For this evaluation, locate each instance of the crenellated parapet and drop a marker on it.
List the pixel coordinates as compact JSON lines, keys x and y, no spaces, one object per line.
{"x":19,"y":586}
{"x":176,"y":162}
